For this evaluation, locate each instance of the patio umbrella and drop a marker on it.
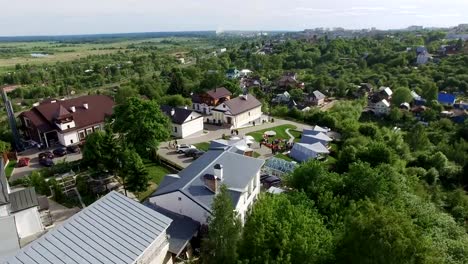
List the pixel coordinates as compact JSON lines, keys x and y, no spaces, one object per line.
{"x":249,"y":138}
{"x":270,"y":133}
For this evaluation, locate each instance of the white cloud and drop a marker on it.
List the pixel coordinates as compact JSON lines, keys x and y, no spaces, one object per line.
{"x":368,"y":8}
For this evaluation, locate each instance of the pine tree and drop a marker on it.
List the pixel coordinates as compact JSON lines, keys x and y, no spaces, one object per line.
{"x":220,"y":244}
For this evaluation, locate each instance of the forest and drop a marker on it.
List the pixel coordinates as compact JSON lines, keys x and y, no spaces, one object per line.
{"x":397,"y":191}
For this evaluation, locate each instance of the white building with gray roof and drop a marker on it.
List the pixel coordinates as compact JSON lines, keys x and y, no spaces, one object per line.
{"x":114,"y":229}
{"x":238,"y":112}
{"x":192,"y":190}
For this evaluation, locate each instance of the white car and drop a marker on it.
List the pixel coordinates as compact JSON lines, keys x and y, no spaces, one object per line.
{"x":184,"y":147}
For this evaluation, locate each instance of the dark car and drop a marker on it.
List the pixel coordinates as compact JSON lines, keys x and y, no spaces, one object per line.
{"x":189,"y":152}
{"x":73,"y":149}
{"x":46,"y":162}
{"x":60,"y":152}
{"x":197,"y":154}
{"x":271,"y":181}
{"x":47,"y":154}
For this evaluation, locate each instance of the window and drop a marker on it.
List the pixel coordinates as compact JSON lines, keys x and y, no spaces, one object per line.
{"x":68,"y":126}
{"x":27,"y":122}
{"x":97,"y":128}
{"x":89,"y":131}
{"x":179,"y":198}
{"x":71,"y":141}
{"x":81,"y":135}
{"x":175,"y":129}
{"x":249,"y":113}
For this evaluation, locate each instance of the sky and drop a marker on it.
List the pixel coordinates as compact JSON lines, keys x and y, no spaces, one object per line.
{"x":67,"y":17}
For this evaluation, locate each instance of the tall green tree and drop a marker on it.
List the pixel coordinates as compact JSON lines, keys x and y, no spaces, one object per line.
{"x":286,"y":229}
{"x":133,"y":171}
{"x":177,"y":85}
{"x":101,"y":151}
{"x":141,"y":124}
{"x":401,"y":95}
{"x":220,"y":244}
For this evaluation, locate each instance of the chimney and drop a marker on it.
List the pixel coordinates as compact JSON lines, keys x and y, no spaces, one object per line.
{"x":172,"y":112}
{"x":73,"y":109}
{"x":211,"y":182}
{"x":218,"y":171}
{"x":85,"y":105}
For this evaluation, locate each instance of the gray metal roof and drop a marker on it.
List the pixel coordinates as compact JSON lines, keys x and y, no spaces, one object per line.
{"x":238,"y":171}
{"x":239,"y":105}
{"x":23,"y":199}
{"x":181,"y":230}
{"x":9,"y":236}
{"x":114,"y":229}
{"x":4,"y":197}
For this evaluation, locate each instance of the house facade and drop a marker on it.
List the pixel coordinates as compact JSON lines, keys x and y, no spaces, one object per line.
{"x":184,"y":122}
{"x":382,"y":107}
{"x":66,"y":122}
{"x":317,"y":98}
{"x":205,"y":102}
{"x":192,"y":190}
{"x":232,"y":74}
{"x":114,"y":229}
{"x":238,"y":112}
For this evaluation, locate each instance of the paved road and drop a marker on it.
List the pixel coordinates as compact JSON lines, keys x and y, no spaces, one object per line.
{"x":19,"y":173}
{"x":215,"y":132}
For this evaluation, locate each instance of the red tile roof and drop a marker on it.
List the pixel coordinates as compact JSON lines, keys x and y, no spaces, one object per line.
{"x":44,"y":115}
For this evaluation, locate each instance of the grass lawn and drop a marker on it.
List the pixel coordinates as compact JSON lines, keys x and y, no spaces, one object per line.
{"x":156,"y":172}
{"x":256,"y":154}
{"x":9,"y":168}
{"x":297,"y":135}
{"x":284,"y":157}
{"x":280,"y":132}
{"x":143,"y":195}
{"x":202,"y":146}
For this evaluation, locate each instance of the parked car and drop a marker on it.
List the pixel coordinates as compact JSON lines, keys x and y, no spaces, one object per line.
{"x":46,"y":162}
{"x":47,"y":154}
{"x":271,"y":181}
{"x":60,"y":152}
{"x":184,"y":147}
{"x":73,"y":149}
{"x":197,"y":154}
{"x":189,"y":152}
{"x":23,"y":162}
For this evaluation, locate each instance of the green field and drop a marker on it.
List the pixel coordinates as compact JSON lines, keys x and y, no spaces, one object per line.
{"x":9,"y":168}
{"x":280,"y":132}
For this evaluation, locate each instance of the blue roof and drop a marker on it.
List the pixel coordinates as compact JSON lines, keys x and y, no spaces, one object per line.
{"x":445,"y":98}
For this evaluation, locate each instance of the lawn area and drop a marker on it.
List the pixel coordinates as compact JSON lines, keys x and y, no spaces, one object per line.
{"x":280,"y":132}
{"x":9,"y":168}
{"x":203,"y":146}
{"x":156,"y":172}
{"x":297,"y":135}
{"x":256,"y":154}
{"x":284,"y":157}
{"x":143,"y":195}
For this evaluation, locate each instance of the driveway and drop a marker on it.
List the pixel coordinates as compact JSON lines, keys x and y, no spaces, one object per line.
{"x":169,"y":154}
{"x":22,"y":172}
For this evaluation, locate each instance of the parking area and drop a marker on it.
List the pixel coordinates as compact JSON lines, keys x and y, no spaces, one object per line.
{"x":19,"y":173}
{"x":170,"y":155}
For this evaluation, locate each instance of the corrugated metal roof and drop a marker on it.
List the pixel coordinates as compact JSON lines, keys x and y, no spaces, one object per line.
{"x":23,"y":199}
{"x":4,"y":197}
{"x":114,"y":229}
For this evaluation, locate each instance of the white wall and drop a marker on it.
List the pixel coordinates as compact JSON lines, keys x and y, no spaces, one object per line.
{"x":64,"y":126}
{"x":66,"y":137}
{"x":4,"y":210}
{"x":183,"y":206}
{"x":176,"y":130}
{"x":244,"y":118}
{"x":192,"y":127}
{"x":243,"y":207}
{"x":28,"y":222}
{"x":157,"y":252}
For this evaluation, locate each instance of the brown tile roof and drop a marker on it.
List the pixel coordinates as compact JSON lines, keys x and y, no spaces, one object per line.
{"x":218,"y":93}
{"x":44,"y":115}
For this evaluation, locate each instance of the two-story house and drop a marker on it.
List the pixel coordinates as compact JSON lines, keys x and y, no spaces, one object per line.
{"x":205,"y":102}
{"x":382,"y":107}
{"x":238,"y":112}
{"x":192,"y":190}
{"x":114,"y":229}
{"x":66,"y":122}
{"x":184,"y":122}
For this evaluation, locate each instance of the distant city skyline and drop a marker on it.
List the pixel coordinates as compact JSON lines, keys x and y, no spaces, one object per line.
{"x":65,"y":17}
